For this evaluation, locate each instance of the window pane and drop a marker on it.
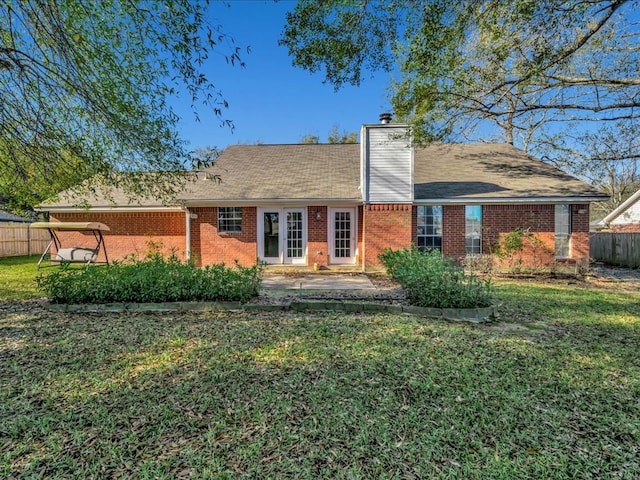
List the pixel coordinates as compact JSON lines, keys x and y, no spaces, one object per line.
{"x":563,"y":231}
{"x":473,"y":229}
{"x":429,"y":227}
{"x":230,"y":219}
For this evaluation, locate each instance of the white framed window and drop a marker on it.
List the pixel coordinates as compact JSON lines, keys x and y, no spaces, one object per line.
{"x":229,"y":219}
{"x":429,"y":226}
{"x":563,"y":231}
{"x":473,"y":229}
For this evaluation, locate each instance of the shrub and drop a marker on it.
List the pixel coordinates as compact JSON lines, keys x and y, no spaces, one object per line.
{"x":154,"y":279}
{"x":521,"y":242}
{"x":430,"y":280}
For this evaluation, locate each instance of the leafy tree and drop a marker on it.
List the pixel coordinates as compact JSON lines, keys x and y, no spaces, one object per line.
{"x":310,"y":139}
{"x":520,"y":71}
{"x":202,"y":157}
{"x":608,"y":159}
{"x":84,"y":88}
{"x":334,"y":136}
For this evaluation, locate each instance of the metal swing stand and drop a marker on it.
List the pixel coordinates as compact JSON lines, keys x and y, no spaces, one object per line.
{"x":75,"y":254}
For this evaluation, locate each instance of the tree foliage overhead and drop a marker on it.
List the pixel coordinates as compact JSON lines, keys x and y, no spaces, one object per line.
{"x":84,"y":88}
{"x":519,"y":71}
{"x":335,"y":136}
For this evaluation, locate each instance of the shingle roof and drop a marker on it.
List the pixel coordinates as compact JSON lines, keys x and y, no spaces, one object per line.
{"x":10,"y":217}
{"x":490,"y":171}
{"x":279,"y":173}
{"x":283,"y":172}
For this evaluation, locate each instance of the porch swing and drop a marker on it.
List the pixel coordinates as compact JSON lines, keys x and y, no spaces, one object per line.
{"x":77,"y":254}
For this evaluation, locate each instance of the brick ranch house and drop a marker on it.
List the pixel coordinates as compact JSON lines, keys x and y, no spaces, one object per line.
{"x":343,"y":204}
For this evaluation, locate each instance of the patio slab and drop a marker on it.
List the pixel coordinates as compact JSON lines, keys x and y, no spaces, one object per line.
{"x":317,"y":282}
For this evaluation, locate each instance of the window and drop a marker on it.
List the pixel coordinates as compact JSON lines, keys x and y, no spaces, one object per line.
{"x":563,"y":230}
{"x":473,"y":229}
{"x":229,"y":219}
{"x":430,"y":227}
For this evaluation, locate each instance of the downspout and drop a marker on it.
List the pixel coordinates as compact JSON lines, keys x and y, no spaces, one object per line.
{"x":364,"y":237}
{"x":187,"y":234}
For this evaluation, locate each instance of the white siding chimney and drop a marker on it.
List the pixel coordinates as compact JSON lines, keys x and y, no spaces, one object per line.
{"x":386,"y":164}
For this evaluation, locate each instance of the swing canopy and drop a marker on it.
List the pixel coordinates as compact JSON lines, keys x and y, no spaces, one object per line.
{"x":74,"y":254}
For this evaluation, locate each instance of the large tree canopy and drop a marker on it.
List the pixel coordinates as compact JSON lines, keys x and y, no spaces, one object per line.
{"x":84,"y":88}
{"x":520,"y":71}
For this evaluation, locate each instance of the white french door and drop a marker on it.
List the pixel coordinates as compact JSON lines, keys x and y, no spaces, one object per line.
{"x":342,"y":235}
{"x":282,"y":235}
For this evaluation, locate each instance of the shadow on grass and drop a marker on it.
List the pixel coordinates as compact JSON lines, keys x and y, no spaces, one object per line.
{"x":310,"y":396}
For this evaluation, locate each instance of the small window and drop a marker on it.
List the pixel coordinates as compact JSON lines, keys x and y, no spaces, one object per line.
{"x":229,"y":219}
{"x":473,"y":229}
{"x":563,"y":231}
{"x":430,"y":227}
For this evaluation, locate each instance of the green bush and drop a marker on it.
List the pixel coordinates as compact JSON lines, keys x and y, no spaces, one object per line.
{"x":430,"y":280}
{"x":154,"y":279}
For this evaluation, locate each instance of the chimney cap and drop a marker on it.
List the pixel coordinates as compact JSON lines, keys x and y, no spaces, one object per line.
{"x":385,"y":118}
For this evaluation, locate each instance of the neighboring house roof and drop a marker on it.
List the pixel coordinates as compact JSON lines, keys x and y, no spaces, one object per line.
{"x":621,"y":210}
{"x":10,"y":217}
{"x":259,"y":174}
{"x":491,"y":171}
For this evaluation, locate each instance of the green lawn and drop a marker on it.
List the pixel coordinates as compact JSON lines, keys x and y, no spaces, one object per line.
{"x":552,"y":390}
{"x":17,"y":277}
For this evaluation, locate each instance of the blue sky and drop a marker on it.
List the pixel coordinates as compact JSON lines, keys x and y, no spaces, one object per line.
{"x":270,"y":101}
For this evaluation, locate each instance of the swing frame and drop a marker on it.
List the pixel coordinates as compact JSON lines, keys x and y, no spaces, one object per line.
{"x":88,"y":256}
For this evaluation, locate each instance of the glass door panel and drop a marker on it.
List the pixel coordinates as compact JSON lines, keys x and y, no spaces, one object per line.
{"x":294,"y":235}
{"x":271,"y":235}
{"x":342,"y":235}
{"x":282,"y":235}
{"x":342,"y":229}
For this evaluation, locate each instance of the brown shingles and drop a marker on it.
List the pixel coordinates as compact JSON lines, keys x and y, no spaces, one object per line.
{"x":263,"y":173}
{"x":483,"y":171}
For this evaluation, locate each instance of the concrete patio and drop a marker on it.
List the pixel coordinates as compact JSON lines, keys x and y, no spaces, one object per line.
{"x":340,"y":281}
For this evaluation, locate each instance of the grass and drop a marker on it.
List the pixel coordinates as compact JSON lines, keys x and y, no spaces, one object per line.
{"x":552,"y":390}
{"x":17,"y":277}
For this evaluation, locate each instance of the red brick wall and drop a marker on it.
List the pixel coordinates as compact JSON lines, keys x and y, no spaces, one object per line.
{"x":209,"y":247}
{"x":580,"y":232}
{"x":386,"y":226}
{"x":379,"y":227}
{"x":130,"y":232}
{"x":625,"y":228}
{"x":317,"y":235}
{"x":453,"y":231}
{"x":499,"y":220}
{"x":359,"y":257}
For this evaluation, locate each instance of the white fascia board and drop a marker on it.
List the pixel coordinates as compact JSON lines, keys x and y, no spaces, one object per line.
{"x":384,"y":125}
{"x":479,"y":201}
{"x":272,"y":201}
{"x":105,"y":209}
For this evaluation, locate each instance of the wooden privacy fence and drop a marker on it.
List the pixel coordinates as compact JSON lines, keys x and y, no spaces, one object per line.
{"x":18,"y":239}
{"x":621,"y":249}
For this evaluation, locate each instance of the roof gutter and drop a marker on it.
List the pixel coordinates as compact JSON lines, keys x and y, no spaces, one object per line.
{"x":187,"y":240}
{"x":527,"y":200}
{"x":108,"y":209}
{"x":273,"y":201}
